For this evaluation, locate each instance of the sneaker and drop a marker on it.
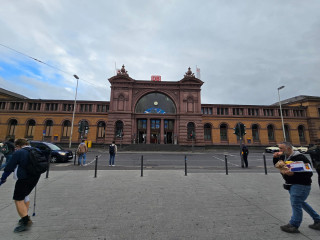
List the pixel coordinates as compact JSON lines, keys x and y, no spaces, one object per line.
{"x":85,"y":164}
{"x":289,"y":228}
{"x":315,"y":226}
{"x":113,"y":165}
{"x":22,"y":226}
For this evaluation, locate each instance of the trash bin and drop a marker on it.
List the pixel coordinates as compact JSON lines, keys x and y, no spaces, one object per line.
{"x":89,"y":144}
{"x":86,"y":142}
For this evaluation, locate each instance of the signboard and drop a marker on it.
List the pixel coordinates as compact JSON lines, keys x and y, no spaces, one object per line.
{"x":156,"y":78}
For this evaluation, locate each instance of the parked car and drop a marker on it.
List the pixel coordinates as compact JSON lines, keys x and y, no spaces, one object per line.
{"x":272,"y":149}
{"x":57,"y":154}
{"x":303,"y":149}
{"x":276,"y":149}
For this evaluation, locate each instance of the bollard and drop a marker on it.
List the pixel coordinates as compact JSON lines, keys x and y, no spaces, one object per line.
{"x":226,"y":161}
{"x":142,"y":166}
{"x":96,"y":167}
{"x":185,"y":165}
{"x":265,"y":164}
{"x":49,"y":159}
{"x":75,"y":157}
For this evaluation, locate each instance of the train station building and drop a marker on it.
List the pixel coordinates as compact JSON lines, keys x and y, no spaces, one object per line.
{"x":158,"y":112}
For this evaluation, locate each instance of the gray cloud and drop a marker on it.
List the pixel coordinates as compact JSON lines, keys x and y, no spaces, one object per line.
{"x":245,"y":49}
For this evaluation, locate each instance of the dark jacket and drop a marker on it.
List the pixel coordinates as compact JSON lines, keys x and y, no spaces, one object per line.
{"x":302,"y":178}
{"x":10,"y":147}
{"x":19,"y":158}
{"x":315,"y":156}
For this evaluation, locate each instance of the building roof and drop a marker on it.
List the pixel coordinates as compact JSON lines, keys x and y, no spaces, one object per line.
{"x":10,"y":95}
{"x":300,"y":98}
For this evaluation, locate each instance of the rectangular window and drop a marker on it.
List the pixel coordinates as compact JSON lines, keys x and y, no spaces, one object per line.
{"x":85,"y":107}
{"x":102,"y":108}
{"x":2,"y":105}
{"x":51,"y":106}
{"x":268,"y":112}
{"x":16,"y":106}
{"x":253,"y":111}
{"x":67,"y":107}
{"x":237,"y":111}
{"x":34,"y":106}
{"x":222,"y":111}
{"x":285,"y":112}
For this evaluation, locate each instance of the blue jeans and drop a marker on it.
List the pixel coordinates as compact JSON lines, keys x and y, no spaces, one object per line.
{"x":82,"y":156}
{"x":298,"y":195}
{"x":111,"y":160}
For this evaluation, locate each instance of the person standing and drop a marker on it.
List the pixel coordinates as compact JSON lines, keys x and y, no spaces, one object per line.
{"x":112,"y":153}
{"x":245,"y":153}
{"x":25,"y":183}
{"x":315,"y":158}
{"x":82,"y":153}
{"x":299,"y":185}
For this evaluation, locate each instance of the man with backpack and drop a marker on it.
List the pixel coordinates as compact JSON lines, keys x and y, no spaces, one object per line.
{"x":112,"y":152}
{"x":22,"y":160}
{"x":82,"y":153}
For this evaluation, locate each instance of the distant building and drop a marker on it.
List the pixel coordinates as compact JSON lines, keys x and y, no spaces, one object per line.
{"x":158,"y":112}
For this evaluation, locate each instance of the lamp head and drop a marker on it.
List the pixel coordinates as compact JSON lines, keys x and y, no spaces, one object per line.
{"x":279,"y":88}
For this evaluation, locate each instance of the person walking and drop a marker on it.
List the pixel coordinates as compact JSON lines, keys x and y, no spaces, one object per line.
{"x":25,"y":182}
{"x":245,"y":153}
{"x":7,"y":150}
{"x":82,"y":153}
{"x":299,"y":185}
{"x":112,"y":153}
{"x":314,"y":153}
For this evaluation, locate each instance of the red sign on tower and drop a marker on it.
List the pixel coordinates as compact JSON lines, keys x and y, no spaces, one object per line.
{"x":156,"y":78}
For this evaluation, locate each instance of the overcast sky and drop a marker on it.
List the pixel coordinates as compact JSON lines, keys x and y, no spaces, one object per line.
{"x":245,"y":49}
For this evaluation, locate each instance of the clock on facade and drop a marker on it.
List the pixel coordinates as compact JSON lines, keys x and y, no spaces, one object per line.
{"x":155,"y":103}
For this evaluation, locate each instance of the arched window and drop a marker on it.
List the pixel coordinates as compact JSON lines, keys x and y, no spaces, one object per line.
{"x":101,"y":129}
{"x":30,"y":128}
{"x":66,"y":129}
{"x":12,"y":128}
{"x":301,"y":133}
{"x":287,"y":132}
{"x":48,"y":128}
{"x":85,"y":131}
{"x":190,"y":130}
{"x":270,"y":132}
{"x":207,"y":131}
{"x":119,"y":129}
{"x":255,"y":132}
{"x":223,"y":132}
{"x":155,"y":103}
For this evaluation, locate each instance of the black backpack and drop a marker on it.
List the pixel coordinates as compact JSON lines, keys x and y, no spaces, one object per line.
{"x":38,"y":163}
{"x":111,"y":149}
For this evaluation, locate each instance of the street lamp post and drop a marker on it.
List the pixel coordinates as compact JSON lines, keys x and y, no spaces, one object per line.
{"x":283,"y":130}
{"x":74,"y":110}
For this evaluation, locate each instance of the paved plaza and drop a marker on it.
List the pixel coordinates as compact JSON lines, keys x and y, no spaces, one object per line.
{"x":163,"y":204}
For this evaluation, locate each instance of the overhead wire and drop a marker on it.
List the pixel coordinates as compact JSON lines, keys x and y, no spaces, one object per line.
{"x":37,"y":60}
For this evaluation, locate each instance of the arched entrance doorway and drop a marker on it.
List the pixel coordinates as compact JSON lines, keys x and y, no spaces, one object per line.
{"x":155,"y":119}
